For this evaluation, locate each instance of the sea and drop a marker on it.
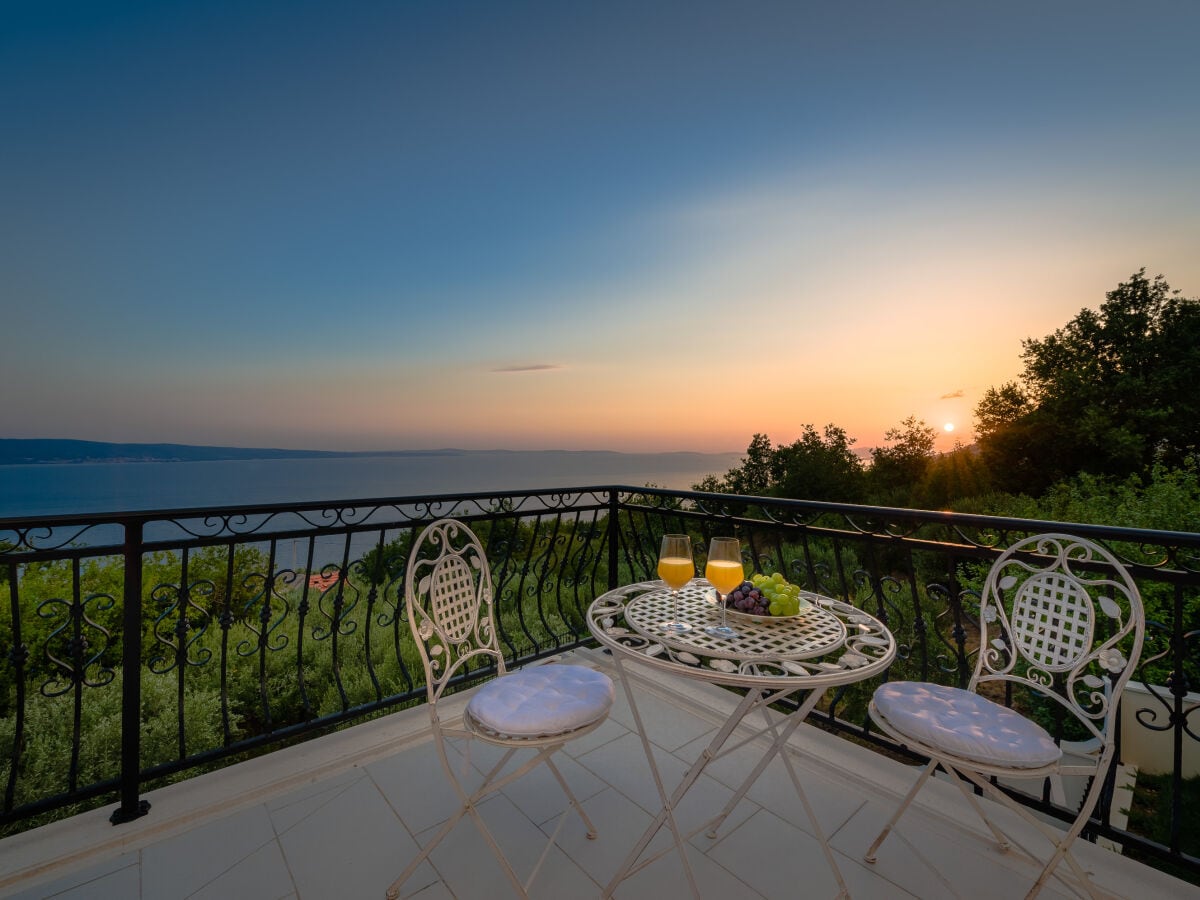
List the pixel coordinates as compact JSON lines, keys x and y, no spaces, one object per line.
{"x":66,"y":488}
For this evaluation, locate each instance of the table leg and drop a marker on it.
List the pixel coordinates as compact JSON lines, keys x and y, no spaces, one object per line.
{"x":794,"y":720}
{"x":669,"y":804}
{"x":780,"y":739}
{"x":843,"y":889}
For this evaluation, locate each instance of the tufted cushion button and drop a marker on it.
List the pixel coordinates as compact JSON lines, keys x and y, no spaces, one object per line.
{"x":543,"y":701}
{"x":965,"y":724}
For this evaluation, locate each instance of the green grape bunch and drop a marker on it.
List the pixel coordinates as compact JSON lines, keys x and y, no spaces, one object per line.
{"x":766,"y":595}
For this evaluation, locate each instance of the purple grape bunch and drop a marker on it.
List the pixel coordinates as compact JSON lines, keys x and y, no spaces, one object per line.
{"x":747,"y":598}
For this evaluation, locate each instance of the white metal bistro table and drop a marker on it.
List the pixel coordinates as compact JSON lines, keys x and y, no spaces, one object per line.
{"x":829,"y":643}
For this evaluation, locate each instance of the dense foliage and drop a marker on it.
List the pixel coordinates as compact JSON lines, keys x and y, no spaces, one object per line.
{"x":1110,"y":393}
{"x":1107,"y":406}
{"x":815,"y":466}
{"x":824,"y":466}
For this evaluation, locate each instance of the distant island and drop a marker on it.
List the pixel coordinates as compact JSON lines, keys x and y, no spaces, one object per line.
{"x":35,"y":451}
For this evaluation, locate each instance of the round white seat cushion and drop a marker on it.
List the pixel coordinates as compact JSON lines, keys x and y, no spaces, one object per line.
{"x":543,"y":701}
{"x":965,"y":725}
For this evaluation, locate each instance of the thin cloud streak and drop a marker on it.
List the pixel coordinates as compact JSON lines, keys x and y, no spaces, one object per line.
{"x":951,"y":395}
{"x":533,"y":367}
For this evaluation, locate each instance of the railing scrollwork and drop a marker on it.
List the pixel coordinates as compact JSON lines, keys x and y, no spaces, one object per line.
{"x":292,"y":616}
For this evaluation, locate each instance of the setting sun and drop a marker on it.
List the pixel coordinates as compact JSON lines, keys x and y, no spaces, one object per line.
{"x":949,"y":426}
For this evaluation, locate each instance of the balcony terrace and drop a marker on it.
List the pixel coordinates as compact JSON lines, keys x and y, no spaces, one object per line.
{"x":340,"y":816}
{"x":241,"y":651}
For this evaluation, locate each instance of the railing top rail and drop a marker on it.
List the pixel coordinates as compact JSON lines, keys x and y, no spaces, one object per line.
{"x":199,"y":512}
{"x":936,"y":517}
{"x":706,"y":500}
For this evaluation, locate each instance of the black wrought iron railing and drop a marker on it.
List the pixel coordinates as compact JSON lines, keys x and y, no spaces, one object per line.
{"x":245,"y":628}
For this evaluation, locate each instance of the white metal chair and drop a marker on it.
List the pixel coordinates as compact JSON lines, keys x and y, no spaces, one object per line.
{"x":453,"y":619}
{"x":1061,"y":618}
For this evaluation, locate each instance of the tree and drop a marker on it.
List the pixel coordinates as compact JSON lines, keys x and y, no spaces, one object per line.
{"x":814,"y":467}
{"x":1013,"y":442}
{"x":818,"y":467}
{"x":753,"y":476}
{"x":1000,"y":408}
{"x":897,"y":471}
{"x":1110,"y":393}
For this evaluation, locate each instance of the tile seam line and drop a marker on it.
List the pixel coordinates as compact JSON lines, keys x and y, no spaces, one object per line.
{"x":223,"y":873}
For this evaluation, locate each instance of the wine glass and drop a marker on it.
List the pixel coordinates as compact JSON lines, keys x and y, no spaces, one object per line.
{"x":676,"y":568}
{"x":724,"y":572}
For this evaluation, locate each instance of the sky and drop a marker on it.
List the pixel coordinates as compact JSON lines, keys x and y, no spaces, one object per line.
{"x":631,"y":226}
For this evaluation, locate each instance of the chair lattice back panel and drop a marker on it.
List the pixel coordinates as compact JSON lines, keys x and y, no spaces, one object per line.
{"x":448,"y":587}
{"x":1061,"y":616}
{"x":1052,"y":620}
{"x":452,"y":599}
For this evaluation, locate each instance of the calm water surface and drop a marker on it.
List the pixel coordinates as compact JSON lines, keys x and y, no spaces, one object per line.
{"x":116,"y":487}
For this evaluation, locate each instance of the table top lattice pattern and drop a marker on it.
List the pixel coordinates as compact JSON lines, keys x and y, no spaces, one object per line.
{"x":812,"y":633}
{"x":831,"y":643}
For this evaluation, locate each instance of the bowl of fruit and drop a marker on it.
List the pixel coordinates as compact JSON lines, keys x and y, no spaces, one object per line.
{"x":766,"y":597}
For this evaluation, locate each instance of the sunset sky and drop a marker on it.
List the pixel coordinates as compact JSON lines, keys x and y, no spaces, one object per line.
{"x":621,"y":225}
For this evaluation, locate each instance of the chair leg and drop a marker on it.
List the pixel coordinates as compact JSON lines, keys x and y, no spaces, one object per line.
{"x":469,"y":808}
{"x":575,"y":804}
{"x":1061,"y":845}
{"x":1062,"y":851}
{"x":393,"y":890}
{"x":1002,"y":840}
{"x":520,"y":888}
{"x":492,"y":783}
{"x":869,"y":856}
{"x":490,"y":787}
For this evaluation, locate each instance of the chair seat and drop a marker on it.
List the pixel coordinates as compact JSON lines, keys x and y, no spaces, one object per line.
{"x":965,"y":725}
{"x":543,"y":701}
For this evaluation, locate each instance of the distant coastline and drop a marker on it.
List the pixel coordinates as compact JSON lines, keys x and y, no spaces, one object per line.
{"x":51,"y":451}
{"x":37,"y":451}
{"x":71,"y":477}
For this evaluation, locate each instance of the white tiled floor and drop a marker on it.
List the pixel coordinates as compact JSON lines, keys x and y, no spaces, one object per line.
{"x":341,"y":817}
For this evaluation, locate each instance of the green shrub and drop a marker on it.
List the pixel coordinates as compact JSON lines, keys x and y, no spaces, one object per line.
{"x":45,"y":752}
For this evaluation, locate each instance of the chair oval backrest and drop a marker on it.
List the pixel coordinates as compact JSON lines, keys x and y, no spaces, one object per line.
{"x":1060,"y":615}
{"x":448,"y":592}
{"x":1052,"y":621}
{"x":452,"y":600}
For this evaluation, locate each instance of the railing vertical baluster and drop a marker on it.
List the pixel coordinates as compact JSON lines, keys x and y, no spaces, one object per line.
{"x":302,"y":615}
{"x":612,"y":539}
{"x":75,"y":647}
{"x":226,"y":621}
{"x":18,"y":655}
{"x":376,"y":580}
{"x":181,"y":653}
{"x":1178,"y":684}
{"x":131,"y":680}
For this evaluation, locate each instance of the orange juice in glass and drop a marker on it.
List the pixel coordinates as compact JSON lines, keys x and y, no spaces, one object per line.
{"x":676,"y":568}
{"x":724,"y":575}
{"x":725,"y":572}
